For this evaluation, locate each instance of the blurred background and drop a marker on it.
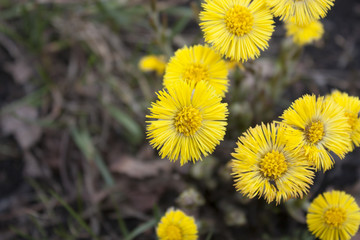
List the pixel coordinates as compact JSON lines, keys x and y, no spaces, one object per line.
{"x":74,"y":159}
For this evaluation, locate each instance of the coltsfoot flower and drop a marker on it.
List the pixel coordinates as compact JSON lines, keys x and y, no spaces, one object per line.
{"x":152,"y":63}
{"x":351,"y":105}
{"x":303,"y":11}
{"x":304,"y":34}
{"x":237,"y":29}
{"x":195,"y":64}
{"x":265,"y":166}
{"x":333,"y":216}
{"x":188,"y":121}
{"x":232,"y":65}
{"x":317,"y":126}
{"x":176,"y":225}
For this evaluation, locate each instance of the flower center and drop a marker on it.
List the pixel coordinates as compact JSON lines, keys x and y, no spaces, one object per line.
{"x":173,"y":233}
{"x":195,"y":72}
{"x":314,"y":132}
{"x":335,"y":216}
{"x":273,"y":164}
{"x":352,"y":118}
{"x":188,"y":120}
{"x":239,"y":20}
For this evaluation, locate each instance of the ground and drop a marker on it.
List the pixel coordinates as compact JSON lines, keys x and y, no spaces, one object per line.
{"x":74,"y":159}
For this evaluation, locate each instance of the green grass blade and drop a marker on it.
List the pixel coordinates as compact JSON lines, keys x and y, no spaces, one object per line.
{"x":121,"y":222}
{"x":156,"y":212}
{"x":33,"y":99}
{"x":60,"y":232}
{"x":104,"y":170}
{"x":21,"y":234}
{"x":209,"y":236}
{"x":180,"y":26}
{"x":83,"y":141}
{"x":135,"y":133}
{"x":140,"y":229}
{"x":76,"y":216}
{"x":122,"y":225}
{"x":38,"y":227}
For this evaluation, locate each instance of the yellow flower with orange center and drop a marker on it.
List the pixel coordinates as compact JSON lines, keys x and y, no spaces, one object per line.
{"x":151,"y":63}
{"x":304,"y":34}
{"x":195,"y":64}
{"x":351,"y":105}
{"x":187,"y":121}
{"x":237,"y":29}
{"x":176,"y":225}
{"x":265,"y":166}
{"x":333,"y":215}
{"x":302,"y":11}
{"x":317,"y":126}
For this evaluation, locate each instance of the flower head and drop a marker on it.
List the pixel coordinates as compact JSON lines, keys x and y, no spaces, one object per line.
{"x":333,"y":216}
{"x":232,"y":65}
{"x":152,"y":63}
{"x":351,"y":105}
{"x":303,"y":11}
{"x":304,"y":34}
{"x":238,"y":29}
{"x":265,"y":166}
{"x":176,"y":225}
{"x":317,"y":126}
{"x":195,"y":64}
{"x":187,"y":121}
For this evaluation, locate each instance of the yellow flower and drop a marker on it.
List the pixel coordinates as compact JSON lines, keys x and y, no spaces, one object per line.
{"x":351,"y":106}
{"x":303,"y":11}
{"x":188,"y":121}
{"x":195,"y":64}
{"x":304,"y":34}
{"x":232,"y":65}
{"x":265,"y":166}
{"x":152,"y":63}
{"x":317,"y":126}
{"x":238,"y":29}
{"x":333,"y":216}
{"x":176,"y":225}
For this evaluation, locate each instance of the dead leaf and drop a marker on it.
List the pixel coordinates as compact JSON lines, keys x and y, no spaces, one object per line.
{"x":138,"y":169}
{"x":143,"y":194}
{"x":20,"y":123}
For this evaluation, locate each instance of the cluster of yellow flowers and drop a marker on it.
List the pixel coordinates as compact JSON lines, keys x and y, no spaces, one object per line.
{"x":239,"y":29}
{"x":333,"y":215}
{"x":276,"y":161}
{"x":189,"y":118}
